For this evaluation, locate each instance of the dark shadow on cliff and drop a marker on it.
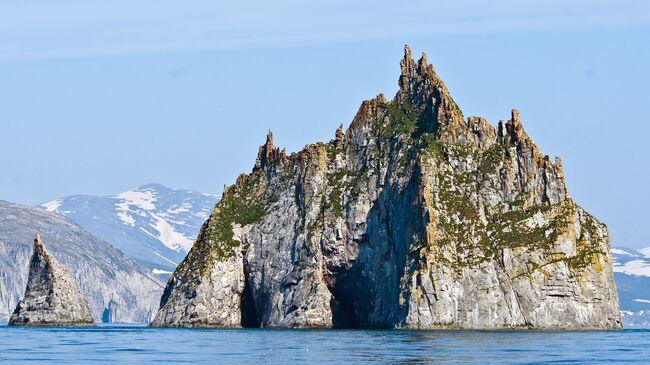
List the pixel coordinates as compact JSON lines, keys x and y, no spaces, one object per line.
{"x":367,"y":290}
{"x":249,"y":318}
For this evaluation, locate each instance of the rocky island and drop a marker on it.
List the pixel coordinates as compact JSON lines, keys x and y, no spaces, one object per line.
{"x":414,"y":217}
{"x":51,"y":298}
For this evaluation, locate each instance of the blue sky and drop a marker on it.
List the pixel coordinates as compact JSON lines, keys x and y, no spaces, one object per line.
{"x":98,"y":97}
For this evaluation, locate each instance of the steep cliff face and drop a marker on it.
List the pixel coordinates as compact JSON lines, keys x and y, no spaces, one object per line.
{"x":51,"y":297}
{"x":101,"y":272}
{"x":414,"y":217}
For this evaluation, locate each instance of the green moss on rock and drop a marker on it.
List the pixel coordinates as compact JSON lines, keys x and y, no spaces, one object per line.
{"x":244,"y":203}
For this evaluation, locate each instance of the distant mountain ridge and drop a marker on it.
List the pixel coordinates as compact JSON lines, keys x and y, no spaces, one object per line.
{"x":154,"y":224}
{"x":632,"y":275}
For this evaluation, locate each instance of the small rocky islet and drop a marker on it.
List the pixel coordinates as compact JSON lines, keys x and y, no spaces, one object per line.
{"x":51,"y":298}
{"x":414,"y":217}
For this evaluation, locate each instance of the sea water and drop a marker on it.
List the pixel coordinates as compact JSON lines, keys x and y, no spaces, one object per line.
{"x":140,"y":345}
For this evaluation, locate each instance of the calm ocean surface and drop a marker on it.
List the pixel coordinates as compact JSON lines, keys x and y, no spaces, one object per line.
{"x":137,"y":345}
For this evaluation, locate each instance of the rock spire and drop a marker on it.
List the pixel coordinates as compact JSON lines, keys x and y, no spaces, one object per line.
{"x":51,"y":297}
{"x":268,"y":155}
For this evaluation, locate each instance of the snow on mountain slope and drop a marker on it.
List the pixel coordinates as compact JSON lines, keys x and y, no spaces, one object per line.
{"x":154,"y":224}
{"x":631,"y":262}
{"x":632,"y":275}
{"x":645,"y":251}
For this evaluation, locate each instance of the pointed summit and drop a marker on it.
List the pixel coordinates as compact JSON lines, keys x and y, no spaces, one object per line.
{"x":421,"y":87}
{"x":38,"y":245}
{"x":268,"y":154}
{"x":51,"y":298}
{"x":265,"y":152}
{"x":409,"y":70}
{"x":269,"y":139}
{"x":512,"y":131}
{"x":418,"y":79}
{"x":339,"y":136}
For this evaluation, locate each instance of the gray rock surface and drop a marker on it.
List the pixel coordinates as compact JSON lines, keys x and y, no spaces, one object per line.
{"x":102,"y":272}
{"x":51,"y":297}
{"x":415,"y":217}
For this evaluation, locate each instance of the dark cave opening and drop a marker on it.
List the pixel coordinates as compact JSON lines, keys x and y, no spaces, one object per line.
{"x":249,"y":317}
{"x":346,"y":291}
{"x":106,"y":315}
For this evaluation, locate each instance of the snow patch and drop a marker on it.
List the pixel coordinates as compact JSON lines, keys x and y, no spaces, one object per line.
{"x":645,"y":251}
{"x":203,"y":213}
{"x":163,"y":257}
{"x":52,"y":206}
{"x":141,"y":199}
{"x":642,"y":301}
{"x":185,"y":207}
{"x":178,"y":223}
{"x":161,"y":272}
{"x":618,"y":251}
{"x":126,"y":218}
{"x":133,"y":198}
{"x":168,"y":235}
{"x":634,"y":267}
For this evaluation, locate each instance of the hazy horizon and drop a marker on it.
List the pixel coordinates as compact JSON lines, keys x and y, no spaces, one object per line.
{"x":100,"y":99}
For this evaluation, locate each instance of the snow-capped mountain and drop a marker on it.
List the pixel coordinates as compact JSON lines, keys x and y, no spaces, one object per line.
{"x":632,"y":275}
{"x":154,"y":224}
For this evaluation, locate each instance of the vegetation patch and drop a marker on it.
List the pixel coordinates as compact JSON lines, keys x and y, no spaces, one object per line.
{"x":336,"y":181}
{"x":489,"y":161}
{"x":402,"y":119}
{"x":240,"y":204}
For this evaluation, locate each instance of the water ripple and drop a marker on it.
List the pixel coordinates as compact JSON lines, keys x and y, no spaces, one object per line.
{"x":138,"y":345}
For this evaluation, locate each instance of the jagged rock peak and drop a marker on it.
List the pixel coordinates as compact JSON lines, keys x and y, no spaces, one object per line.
{"x":411,"y":69}
{"x":51,"y":297}
{"x":512,"y":133}
{"x":418,"y":79}
{"x":268,"y":155}
{"x":513,"y":130}
{"x":339,"y":135}
{"x":39,"y":248}
{"x":420,"y":87}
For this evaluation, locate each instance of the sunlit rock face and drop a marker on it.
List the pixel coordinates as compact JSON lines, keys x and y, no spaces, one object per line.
{"x":414,"y":217}
{"x":51,"y":297}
